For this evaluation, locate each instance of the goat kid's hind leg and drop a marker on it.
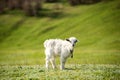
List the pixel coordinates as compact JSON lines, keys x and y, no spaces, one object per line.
{"x":47,"y":62}
{"x":48,"y":56}
{"x":52,"y":60}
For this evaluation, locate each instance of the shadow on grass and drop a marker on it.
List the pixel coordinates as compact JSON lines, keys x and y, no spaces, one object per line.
{"x":69,"y":69}
{"x":6,"y":34}
{"x":55,"y":14}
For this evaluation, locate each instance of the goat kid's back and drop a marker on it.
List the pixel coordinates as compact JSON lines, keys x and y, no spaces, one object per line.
{"x":58,"y":45}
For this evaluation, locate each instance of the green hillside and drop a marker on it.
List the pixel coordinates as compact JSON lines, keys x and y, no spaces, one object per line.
{"x":96,"y":26}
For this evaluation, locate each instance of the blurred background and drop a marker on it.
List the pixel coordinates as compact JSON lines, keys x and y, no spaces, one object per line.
{"x":26,"y":24}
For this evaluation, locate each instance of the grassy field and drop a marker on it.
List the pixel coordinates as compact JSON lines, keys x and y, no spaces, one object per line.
{"x":96,"y":56}
{"x":73,"y":72}
{"x":32,"y":57}
{"x":29,"y":65}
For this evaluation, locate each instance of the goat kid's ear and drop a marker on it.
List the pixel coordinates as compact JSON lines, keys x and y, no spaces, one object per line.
{"x":77,"y":41}
{"x":67,"y":40}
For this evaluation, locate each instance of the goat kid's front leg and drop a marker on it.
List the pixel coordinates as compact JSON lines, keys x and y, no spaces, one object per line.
{"x":62,"y":63}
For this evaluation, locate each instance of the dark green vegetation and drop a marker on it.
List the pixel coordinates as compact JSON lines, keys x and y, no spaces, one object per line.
{"x":96,"y":26}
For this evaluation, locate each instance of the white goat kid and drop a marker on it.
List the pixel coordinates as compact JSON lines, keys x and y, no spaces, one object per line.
{"x":58,"y":47}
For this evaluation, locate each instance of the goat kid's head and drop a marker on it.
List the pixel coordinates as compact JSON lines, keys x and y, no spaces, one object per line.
{"x":72,"y":40}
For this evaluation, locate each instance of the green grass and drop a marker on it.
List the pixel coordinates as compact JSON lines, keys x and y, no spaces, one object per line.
{"x":96,"y":56}
{"x":34,"y":57}
{"x":77,"y":72}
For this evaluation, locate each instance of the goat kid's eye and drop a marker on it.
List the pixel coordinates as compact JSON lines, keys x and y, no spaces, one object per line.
{"x":76,"y":41}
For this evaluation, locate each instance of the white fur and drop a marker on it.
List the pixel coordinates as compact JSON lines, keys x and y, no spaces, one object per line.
{"x":58,"y":47}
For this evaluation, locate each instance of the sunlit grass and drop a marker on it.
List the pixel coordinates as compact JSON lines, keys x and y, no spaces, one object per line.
{"x":37,"y":57}
{"x":77,"y":72}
